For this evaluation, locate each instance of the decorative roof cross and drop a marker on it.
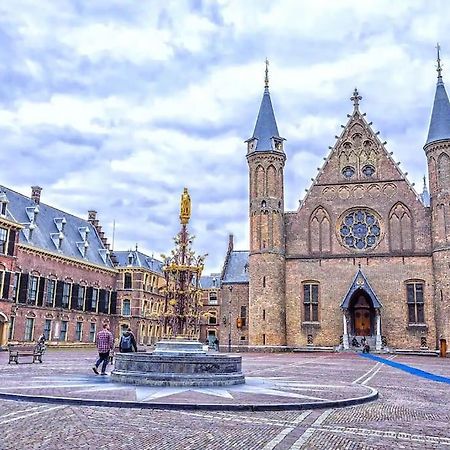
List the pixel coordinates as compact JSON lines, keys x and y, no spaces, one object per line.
{"x":355,"y":98}
{"x":439,"y":67}
{"x":266,"y":79}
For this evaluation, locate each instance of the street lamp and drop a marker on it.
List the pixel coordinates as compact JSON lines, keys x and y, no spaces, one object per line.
{"x":230,"y":288}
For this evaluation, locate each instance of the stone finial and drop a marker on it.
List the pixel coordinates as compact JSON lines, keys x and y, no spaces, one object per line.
{"x":355,"y":98}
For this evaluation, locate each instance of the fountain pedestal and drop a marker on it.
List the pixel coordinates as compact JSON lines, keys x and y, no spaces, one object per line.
{"x":178,"y":363}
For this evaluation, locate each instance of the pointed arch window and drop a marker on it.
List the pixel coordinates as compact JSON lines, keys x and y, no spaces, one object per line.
{"x":400,"y":228}
{"x":320,"y":231}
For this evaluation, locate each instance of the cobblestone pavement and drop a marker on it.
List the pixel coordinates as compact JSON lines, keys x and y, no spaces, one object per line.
{"x":412,"y":412}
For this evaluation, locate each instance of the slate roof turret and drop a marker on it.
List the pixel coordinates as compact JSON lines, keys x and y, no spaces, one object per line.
{"x":266,"y":126}
{"x":440,"y":117}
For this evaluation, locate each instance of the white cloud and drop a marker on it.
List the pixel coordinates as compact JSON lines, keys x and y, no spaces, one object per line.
{"x":118,"y":106}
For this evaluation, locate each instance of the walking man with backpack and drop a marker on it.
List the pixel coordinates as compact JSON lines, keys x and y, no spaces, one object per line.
{"x":105,"y":343}
{"x":127,"y":342}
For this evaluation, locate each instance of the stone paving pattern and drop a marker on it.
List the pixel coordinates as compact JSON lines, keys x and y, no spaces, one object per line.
{"x":412,"y":413}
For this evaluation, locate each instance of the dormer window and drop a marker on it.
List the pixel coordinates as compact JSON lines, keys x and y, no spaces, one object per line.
{"x":251,"y":145}
{"x":3,"y":203}
{"x":60,"y":222}
{"x":3,"y":240}
{"x":278,"y":144}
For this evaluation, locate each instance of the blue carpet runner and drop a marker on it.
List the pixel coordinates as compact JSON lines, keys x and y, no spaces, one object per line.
{"x":409,"y":369}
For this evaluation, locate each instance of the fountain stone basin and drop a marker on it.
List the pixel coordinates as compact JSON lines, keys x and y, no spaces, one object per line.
{"x":178,"y":363}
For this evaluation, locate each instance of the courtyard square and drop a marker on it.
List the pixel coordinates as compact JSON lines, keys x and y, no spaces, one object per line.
{"x":412,"y":412}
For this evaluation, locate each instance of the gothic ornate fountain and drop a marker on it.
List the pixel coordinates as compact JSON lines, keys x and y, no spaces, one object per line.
{"x":179,"y":359}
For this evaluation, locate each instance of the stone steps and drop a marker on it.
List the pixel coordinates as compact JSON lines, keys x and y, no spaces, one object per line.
{"x":313,"y":348}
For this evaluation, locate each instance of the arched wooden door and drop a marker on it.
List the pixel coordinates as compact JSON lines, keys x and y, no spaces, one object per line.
{"x":362,"y":317}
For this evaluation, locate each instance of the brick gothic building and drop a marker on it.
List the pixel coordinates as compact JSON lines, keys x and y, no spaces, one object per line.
{"x":364,"y":254}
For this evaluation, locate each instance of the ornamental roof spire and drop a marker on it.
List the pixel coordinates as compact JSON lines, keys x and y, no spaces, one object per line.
{"x":440,"y":117}
{"x":355,"y":98}
{"x":266,"y":79}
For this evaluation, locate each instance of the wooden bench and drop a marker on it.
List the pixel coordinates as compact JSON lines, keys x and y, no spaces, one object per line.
{"x":35,"y":351}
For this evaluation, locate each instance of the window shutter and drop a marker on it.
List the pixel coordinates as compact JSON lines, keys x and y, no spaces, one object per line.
{"x":23,"y":287}
{"x":59,"y":293}
{"x":103,"y":306}
{"x":74,"y":297}
{"x":113,"y":308}
{"x":11,"y":242}
{"x":40,"y":299}
{"x":6,"y":281}
{"x":89,"y":291}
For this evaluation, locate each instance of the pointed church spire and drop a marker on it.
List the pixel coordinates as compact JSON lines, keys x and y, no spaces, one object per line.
{"x":425,"y":195}
{"x":440,"y":116}
{"x":266,"y":134}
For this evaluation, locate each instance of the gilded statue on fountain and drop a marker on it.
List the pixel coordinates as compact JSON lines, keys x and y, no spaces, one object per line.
{"x":182,"y":272}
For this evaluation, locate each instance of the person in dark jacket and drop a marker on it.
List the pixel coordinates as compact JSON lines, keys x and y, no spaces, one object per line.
{"x":127,"y":342}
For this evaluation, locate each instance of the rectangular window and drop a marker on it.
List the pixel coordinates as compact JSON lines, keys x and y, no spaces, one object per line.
{"x":212,"y":318}
{"x":11,"y":328}
{"x":94,"y":299}
{"x":80,"y":298}
{"x":66,"y":295}
{"x":79,"y":331}
{"x":47,"y":329}
{"x":3,"y":239}
{"x":243,"y":316}
{"x":213,"y":298}
{"x":414,"y":298}
{"x":92,"y":332}
{"x":51,"y":288}
{"x":127,"y":281}
{"x":29,"y":329}
{"x":63,"y":333}
{"x":126,"y":308}
{"x":32,"y":290}
{"x":311,"y":302}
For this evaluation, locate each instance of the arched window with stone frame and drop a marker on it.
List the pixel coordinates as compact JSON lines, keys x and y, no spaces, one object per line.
{"x":444,"y":171}
{"x":400,"y":228}
{"x":259,"y":181}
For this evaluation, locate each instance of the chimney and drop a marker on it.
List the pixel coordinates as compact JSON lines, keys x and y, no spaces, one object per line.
{"x":36,"y":194}
{"x":230,"y":243}
{"x":92,"y":215}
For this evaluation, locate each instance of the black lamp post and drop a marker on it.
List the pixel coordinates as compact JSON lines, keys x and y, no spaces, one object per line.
{"x":230,"y":288}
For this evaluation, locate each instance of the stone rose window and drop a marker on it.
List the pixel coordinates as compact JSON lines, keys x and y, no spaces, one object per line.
{"x":348,"y":172}
{"x":360,"y":229}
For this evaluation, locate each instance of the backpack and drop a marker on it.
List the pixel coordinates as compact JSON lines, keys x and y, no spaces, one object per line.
{"x":126,"y":342}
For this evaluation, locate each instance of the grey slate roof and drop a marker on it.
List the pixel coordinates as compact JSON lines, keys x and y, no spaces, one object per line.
{"x":139,"y":259}
{"x":360,"y":282}
{"x":440,"y":116}
{"x":236,"y":270}
{"x":210,"y":281}
{"x":48,"y":226}
{"x":266,"y":125}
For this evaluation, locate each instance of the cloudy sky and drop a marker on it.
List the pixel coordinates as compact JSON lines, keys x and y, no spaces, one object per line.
{"x":117,"y":105}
